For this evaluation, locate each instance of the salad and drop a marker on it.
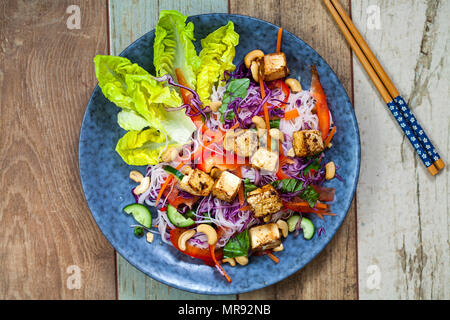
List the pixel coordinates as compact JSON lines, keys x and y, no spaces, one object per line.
{"x":234,"y":156}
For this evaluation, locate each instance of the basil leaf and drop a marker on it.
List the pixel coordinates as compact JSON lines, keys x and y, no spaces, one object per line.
{"x":237,"y":246}
{"x":249,"y":186}
{"x":315,"y":165}
{"x":275,"y":123}
{"x":237,"y":88}
{"x":310,"y":195}
{"x":294,"y":185}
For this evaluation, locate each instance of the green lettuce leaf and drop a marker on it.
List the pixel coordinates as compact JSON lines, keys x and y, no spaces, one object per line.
{"x":218,"y":51}
{"x":131,"y":87}
{"x":130,"y":120}
{"x":173,"y":47}
{"x":140,"y":148}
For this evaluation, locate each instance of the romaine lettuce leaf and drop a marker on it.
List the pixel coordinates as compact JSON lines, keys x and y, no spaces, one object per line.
{"x":141,"y":148}
{"x":131,"y":87}
{"x":173,"y":47}
{"x":218,"y":51}
{"x":130,"y":120}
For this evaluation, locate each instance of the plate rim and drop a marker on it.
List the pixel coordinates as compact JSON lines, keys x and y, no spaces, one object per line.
{"x":287,"y":274}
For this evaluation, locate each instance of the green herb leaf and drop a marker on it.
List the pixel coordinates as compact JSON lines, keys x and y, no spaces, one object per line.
{"x":310,"y":195}
{"x":237,"y":88}
{"x":237,"y":246}
{"x":275,"y":123}
{"x":315,"y":165}
{"x":139,"y":231}
{"x":249,"y":186}
{"x":294,"y":185}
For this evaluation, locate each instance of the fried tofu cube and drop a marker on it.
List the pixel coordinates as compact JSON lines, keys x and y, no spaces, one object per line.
{"x":307,"y":143}
{"x":264,"y":201}
{"x":265,"y":160}
{"x":226,"y":186}
{"x":273,"y":66}
{"x":246,"y":142}
{"x":264,"y":237}
{"x":197,"y":182}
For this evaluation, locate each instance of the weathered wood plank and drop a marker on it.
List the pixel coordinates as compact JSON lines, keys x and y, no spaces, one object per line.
{"x":45,"y":222}
{"x":403,"y":212}
{"x":128,"y":21}
{"x":333,"y":274}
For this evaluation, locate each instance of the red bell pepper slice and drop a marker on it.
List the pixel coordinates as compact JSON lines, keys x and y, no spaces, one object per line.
{"x":325,"y":194}
{"x":194,"y":251}
{"x":322,"y":111}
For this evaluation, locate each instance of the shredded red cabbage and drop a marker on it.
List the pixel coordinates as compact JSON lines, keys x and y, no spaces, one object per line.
{"x":320,"y":231}
{"x":134,"y":195}
{"x":195,"y":100}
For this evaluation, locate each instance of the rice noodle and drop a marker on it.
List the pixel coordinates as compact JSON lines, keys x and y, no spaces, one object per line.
{"x":157,"y":176}
{"x":304,"y":103}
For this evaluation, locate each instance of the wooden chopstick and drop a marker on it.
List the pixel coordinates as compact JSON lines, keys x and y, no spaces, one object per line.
{"x":358,"y":52}
{"x":380,"y":85}
{"x":365,"y":48}
{"x":419,"y":132}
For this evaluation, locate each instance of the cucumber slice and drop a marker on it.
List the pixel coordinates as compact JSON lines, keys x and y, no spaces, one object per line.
{"x":177,"y":218}
{"x":174,"y":171}
{"x":140,"y":213}
{"x":292,"y":222}
{"x":308,"y":228}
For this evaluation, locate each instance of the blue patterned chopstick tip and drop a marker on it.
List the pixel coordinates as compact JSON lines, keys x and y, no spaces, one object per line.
{"x":415,"y":126}
{"x":409,"y":134}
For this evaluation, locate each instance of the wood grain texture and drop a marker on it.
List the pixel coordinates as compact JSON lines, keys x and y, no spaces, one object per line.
{"x":46,"y":78}
{"x":128,"y":21}
{"x":403,"y":215}
{"x":333,"y":273}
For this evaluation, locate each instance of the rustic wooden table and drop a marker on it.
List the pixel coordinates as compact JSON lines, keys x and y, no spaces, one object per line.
{"x":394,"y":241}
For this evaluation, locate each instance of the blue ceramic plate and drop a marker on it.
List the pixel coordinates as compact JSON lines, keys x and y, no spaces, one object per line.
{"x":107,"y":187}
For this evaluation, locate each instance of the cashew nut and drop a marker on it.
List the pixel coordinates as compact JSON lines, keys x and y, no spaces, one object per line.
{"x":209,"y":231}
{"x":215,"y":173}
{"x":215,"y":105}
{"x":259,"y":122}
{"x":185,"y":236}
{"x":136,"y":176}
{"x":231,"y":261}
{"x":283,"y":226}
{"x":243,"y":260}
{"x":254,"y":68}
{"x":145,"y":184}
{"x":330,"y":170}
{"x":150,"y":237}
{"x":279,"y":248}
{"x":294,"y":85}
{"x":290,"y":153}
{"x":276,"y":134}
{"x":251,"y":56}
{"x":169,"y":155}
